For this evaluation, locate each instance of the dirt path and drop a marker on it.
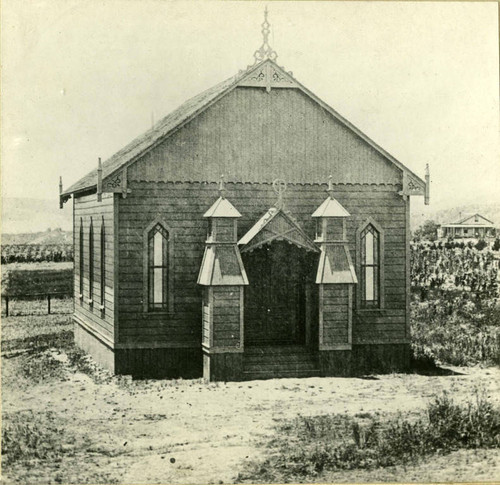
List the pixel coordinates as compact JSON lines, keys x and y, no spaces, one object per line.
{"x":191,"y":432}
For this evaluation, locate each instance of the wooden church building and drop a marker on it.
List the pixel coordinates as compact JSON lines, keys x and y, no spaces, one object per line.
{"x":294,"y":263}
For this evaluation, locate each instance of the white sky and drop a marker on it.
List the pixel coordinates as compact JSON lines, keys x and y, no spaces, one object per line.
{"x":81,"y":79}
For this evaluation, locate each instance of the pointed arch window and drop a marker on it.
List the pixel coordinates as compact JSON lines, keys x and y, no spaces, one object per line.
{"x":91,"y":262}
{"x":158,"y":268}
{"x":82,"y":259}
{"x":103,"y":263}
{"x":370,"y":267}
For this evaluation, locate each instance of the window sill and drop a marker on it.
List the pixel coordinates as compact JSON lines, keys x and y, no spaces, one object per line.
{"x":362,"y":311}
{"x":159,"y":313}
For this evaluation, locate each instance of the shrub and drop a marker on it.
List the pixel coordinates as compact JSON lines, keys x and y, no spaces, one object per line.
{"x":456,"y":331}
{"x":308,"y":445}
{"x":496,"y":244}
{"x":481,"y":244}
{"x":26,"y":435}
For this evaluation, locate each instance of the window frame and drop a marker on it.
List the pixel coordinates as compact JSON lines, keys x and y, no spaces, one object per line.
{"x":81,"y":255}
{"x":359,"y":266}
{"x":103,"y":265}
{"x":91,"y":263}
{"x":170,"y":269}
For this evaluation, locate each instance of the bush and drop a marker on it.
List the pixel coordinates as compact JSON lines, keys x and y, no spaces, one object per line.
{"x":26,"y":435}
{"x":456,"y":331}
{"x":496,"y":244}
{"x":308,"y":445}
{"x":481,"y":244}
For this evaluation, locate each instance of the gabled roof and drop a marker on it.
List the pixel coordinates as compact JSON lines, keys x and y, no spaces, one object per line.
{"x":462,"y":221}
{"x":222,"y":208}
{"x":466,"y":221}
{"x":276,"y":225}
{"x":330,"y":208}
{"x":193,"y":107}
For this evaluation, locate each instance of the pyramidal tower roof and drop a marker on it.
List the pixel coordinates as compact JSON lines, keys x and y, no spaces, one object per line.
{"x":222,"y":207}
{"x":331,"y":207}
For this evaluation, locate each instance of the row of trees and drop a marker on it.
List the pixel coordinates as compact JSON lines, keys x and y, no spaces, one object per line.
{"x":36,"y":253}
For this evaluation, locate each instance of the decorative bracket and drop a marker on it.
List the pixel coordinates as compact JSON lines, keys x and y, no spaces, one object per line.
{"x":117,"y":184}
{"x":411,"y":186}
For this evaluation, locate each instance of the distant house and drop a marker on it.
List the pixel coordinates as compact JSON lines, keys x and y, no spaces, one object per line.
{"x":472,"y":227}
{"x":172,"y":279}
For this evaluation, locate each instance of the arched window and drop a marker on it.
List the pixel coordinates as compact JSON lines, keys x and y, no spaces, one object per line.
{"x":103,"y":264}
{"x":158,"y":268}
{"x":370,"y":267}
{"x":82,"y":267}
{"x":91,"y":261}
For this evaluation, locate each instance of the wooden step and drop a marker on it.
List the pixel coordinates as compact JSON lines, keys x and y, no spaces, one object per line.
{"x":271,"y":359}
{"x":282,"y":374}
{"x":268,"y":362}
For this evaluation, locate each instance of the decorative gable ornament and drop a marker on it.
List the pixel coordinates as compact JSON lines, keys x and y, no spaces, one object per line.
{"x":276,"y":225}
{"x":268,"y":75}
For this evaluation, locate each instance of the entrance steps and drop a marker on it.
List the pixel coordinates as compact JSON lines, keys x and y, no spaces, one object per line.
{"x":271,"y":362}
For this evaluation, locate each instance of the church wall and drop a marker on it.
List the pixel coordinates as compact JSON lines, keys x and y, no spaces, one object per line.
{"x":97,"y":321}
{"x":182,"y":205}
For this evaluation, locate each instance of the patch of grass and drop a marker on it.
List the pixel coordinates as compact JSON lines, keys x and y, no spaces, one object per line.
{"x":307,"y":446}
{"x":27,"y":435}
{"x":43,"y":367}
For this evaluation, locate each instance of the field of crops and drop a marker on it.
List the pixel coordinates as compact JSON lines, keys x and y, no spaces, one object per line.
{"x":456,"y":305}
{"x":36,"y":253}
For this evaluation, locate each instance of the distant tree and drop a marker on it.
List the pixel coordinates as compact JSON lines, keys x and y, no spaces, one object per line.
{"x":481,"y":244}
{"x":427,"y":231}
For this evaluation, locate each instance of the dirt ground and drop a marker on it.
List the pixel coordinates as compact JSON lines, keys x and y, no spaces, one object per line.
{"x":190,"y":432}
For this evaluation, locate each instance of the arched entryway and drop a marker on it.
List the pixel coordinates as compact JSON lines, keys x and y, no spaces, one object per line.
{"x":281,"y":299}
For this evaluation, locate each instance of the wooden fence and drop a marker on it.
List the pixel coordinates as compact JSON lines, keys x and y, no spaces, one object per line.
{"x":34,"y":296}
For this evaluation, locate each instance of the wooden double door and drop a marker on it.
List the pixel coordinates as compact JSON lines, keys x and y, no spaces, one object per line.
{"x":279,"y":299}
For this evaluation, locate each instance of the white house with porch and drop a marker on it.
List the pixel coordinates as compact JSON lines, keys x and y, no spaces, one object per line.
{"x":471,"y":227}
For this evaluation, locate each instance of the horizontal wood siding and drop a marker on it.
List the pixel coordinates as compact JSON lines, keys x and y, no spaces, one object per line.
{"x":226,"y":316}
{"x":335,"y":314}
{"x":101,"y":321}
{"x":182,"y":205}
{"x":254,"y":136}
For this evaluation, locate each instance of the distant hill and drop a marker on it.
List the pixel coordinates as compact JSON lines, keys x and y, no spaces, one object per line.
{"x":490,"y":211}
{"x":30,"y":215}
{"x":56,"y":236}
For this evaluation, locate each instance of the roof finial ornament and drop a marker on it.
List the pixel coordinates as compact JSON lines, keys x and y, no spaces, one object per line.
{"x":222,"y":189}
{"x":265,"y":51}
{"x":279,"y":187}
{"x":330,"y":187}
